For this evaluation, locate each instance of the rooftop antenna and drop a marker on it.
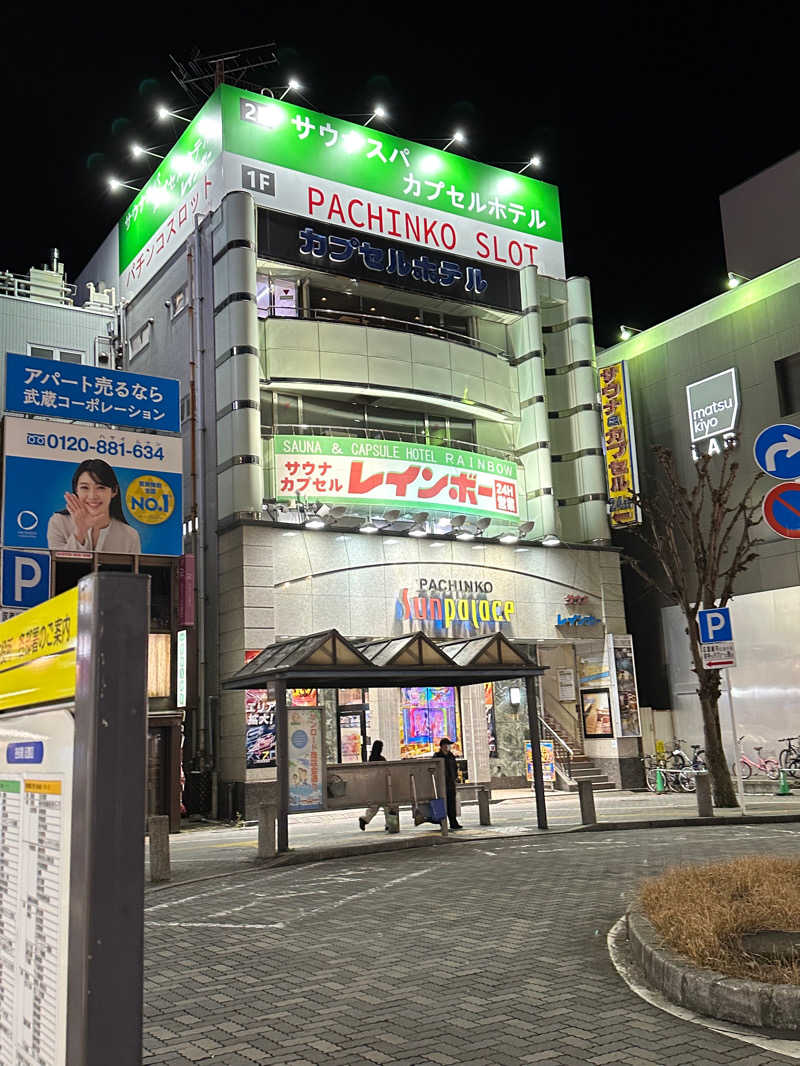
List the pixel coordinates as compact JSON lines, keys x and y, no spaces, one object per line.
{"x":200,"y":75}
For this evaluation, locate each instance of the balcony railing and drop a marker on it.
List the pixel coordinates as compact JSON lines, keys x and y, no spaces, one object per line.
{"x":365,"y":432}
{"x":359,"y":318}
{"x":23,"y":287}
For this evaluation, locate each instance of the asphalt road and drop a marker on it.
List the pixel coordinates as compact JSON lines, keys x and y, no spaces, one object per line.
{"x":213,"y":849}
{"x":492,"y":953}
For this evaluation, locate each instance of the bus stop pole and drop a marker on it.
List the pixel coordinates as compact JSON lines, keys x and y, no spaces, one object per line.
{"x":106,"y":907}
{"x":282,"y":720}
{"x":536,"y":753}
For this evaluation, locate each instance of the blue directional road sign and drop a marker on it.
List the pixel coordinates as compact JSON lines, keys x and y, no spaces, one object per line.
{"x":26,"y":578}
{"x":715,"y":625}
{"x":777,"y":451}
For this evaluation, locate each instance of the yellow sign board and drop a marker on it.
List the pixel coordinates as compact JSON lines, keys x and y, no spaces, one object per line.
{"x":37,"y":653}
{"x":620,"y":446}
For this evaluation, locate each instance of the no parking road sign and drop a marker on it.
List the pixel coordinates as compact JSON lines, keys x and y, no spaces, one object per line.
{"x":782,"y":510}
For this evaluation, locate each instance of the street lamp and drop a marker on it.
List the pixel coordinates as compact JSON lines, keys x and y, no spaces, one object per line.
{"x":457,"y":138}
{"x":294,"y":86}
{"x":115,"y":184}
{"x":137,"y":151}
{"x":626,"y":332}
{"x":535,"y":161}
{"x":163,"y":113}
{"x":735,"y":280}
{"x":377,"y":112}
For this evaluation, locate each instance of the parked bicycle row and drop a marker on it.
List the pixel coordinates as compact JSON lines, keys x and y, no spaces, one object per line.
{"x":677,"y":769}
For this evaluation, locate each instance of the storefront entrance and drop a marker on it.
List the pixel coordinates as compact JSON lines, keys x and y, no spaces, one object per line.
{"x":352,"y":724}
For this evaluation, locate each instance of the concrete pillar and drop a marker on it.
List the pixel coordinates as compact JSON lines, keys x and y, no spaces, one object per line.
{"x":533,"y":445}
{"x":384,"y":712}
{"x":586,"y":797}
{"x":267,"y":820}
{"x":158,"y":832}
{"x":240,"y":479}
{"x":474,"y":736}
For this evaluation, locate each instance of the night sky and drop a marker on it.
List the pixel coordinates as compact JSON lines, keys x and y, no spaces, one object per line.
{"x":643,"y":114}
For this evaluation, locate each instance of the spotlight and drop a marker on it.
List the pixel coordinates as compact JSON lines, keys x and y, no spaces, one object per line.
{"x":526,"y":528}
{"x":550,"y":540}
{"x":508,"y":538}
{"x":457,"y":138}
{"x":735,"y":280}
{"x":626,"y":332}
{"x":417,"y":531}
{"x":315,"y":523}
{"x":368,"y":527}
{"x":465,"y":534}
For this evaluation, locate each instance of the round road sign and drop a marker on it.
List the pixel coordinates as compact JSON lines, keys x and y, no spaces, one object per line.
{"x":782,"y":510}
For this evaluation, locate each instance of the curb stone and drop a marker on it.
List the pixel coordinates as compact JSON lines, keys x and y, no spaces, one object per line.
{"x":709,"y":992}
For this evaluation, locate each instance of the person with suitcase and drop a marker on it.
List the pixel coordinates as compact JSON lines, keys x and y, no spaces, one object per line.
{"x":450,"y":779}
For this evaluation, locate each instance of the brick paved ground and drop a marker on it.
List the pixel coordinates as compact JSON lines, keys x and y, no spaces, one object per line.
{"x":490,"y":954}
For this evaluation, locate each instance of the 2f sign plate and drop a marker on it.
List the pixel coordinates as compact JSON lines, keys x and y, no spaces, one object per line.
{"x":26,"y":578}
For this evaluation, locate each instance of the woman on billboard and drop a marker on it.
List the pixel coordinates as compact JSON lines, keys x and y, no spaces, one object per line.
{"x":93,"y":519}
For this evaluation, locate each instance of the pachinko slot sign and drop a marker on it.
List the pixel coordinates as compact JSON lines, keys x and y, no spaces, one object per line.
{"x":395,"y":474}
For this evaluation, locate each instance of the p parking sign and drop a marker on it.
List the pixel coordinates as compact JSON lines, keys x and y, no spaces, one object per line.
{"x":26,"y":578}
{"x":715,"y":625}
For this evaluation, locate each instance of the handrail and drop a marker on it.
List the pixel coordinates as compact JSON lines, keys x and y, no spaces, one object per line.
{"x":559,"y":745}
{"x":305,"y":428}
{"x":20,"y":286}
{"x":398,"y":325}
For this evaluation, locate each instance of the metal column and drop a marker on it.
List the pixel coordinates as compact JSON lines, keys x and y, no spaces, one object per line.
{"x":282,"y":720}
{"x":536,"y":753}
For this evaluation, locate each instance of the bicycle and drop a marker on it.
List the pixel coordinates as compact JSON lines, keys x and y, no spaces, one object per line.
{"x":769,"y":767}
{"x":789,"y":755}
{"x":684,"y":780}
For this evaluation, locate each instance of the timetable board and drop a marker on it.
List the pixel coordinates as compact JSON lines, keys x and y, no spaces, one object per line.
{"x":36,"y":766}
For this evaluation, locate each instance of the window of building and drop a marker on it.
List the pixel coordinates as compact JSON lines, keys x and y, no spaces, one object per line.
{"x":463,"y":430}
{"x":178,"y":302}
{"x":141,"y":338}
{"x":186,"y":408}
{"x":787,"y":374}
{"x":287,"y":411}
{"x":389,"y":421}
{"x":265,"y":412}
{"x":160,"y":594}
{"x":62,"y":355}
{"x":321,"y":412}
{"x":263,"y":296}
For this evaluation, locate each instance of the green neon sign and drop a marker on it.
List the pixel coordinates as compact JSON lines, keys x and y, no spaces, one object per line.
{"x":365,"y":158}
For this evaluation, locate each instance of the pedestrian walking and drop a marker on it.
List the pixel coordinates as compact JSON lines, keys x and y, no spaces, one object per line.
{"x":450,"y":779}
{"x":376,"y":755}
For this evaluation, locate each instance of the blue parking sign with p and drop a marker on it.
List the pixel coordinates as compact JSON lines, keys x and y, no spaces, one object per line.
{"x":715,"y":625}
{"x":26,"y":578}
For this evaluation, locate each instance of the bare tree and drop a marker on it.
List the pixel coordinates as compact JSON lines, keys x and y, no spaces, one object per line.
{"x":700,"y":539}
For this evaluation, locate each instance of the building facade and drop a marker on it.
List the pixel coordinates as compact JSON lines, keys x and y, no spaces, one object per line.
{"x":727,"y":368}
{"x":390,"y":423}
{"x":40,"y":320}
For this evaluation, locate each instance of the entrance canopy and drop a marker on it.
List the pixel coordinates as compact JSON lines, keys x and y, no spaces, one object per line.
{"x":329,"y":660}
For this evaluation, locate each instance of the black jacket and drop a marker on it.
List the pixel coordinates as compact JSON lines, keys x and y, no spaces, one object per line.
{"x":450,"y":768}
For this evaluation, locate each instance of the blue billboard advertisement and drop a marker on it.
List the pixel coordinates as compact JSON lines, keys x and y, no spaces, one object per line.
{"x":75,"y":488}
{"x":88,"y":394}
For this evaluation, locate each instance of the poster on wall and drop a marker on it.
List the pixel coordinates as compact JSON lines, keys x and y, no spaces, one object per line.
{"x":596,"y":713}
{"x":491,"y":726}
{"x":351,"y":697}
{"x":301,"y":697}
{"x":566,"y":685}
{"x":546,"y":748}
{"x":306,"y":759}
{"x":427,"y":715}
{"x":86,"y":488}
{"x":259,"y":712}
{"x":623,"y":677}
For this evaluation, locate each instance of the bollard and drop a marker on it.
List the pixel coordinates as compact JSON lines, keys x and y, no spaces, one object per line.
{"x":158,"y":831}
{"x":705,"y":806}
{"x":659,"y":780}
{"x":267,"y":817}
{"x":483,"y":807}
{"x":784,"y":789}
{"x":586,"y":796}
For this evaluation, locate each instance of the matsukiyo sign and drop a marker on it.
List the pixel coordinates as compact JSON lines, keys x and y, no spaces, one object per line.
{"x":309,"y":164}
{"x":395,"y":473}
{"x":713,"y":406}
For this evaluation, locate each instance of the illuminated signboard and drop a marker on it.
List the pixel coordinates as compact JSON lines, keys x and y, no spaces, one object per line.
{"x":395,"y":473}
{"x":454,"y":607}
{"x":713,"y":405}
{"x":305,"y":163}
{"x":620,"y":446}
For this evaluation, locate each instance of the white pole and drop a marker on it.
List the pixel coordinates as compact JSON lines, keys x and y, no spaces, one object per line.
{"x":736,"y":747}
